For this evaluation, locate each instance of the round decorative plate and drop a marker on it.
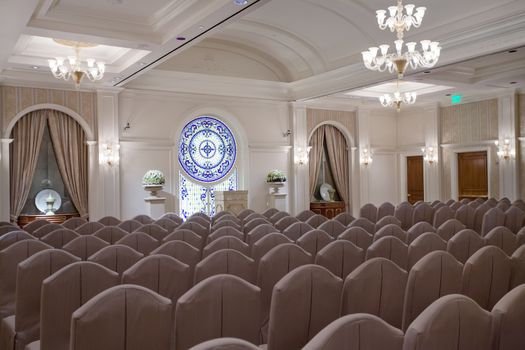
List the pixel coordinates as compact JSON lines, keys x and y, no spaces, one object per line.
{"x":207,"y":149}
{"x":324,"y":191}
{"x":40,"y":200}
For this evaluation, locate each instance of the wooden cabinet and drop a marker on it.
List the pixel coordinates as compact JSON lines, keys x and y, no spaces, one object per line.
{"x":56,"y":219}
{"x":328,"y":209}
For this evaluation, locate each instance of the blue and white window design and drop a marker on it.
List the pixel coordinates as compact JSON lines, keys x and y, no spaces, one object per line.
{"x":207,"y":153}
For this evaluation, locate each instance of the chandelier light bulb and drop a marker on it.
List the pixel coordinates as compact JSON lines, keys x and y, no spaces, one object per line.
{"x":400,"y":20}
{"x":397,"y":99}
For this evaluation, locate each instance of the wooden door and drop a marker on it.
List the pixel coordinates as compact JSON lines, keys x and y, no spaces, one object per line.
{"x":415,"y":182}
{"x":472,"y":175}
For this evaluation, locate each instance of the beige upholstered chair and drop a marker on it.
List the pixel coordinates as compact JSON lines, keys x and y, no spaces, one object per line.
{"x":387,"y":220}
{"x":417,"y":230}
{"x":391,"y":230}
{"x":85,"y":246}
{"x":62,"y":293}
{"x":244,"y":213}
{"x":173,"y":217}
{"x":518,"y":267}
{"x":225,"y":344}
{"x":385,"y":209}
{"x":479,"y":213}
{"x":466,"y":215}
{"x":35,"y":225}
{"x":316,"y":220}
{"x":494,"y":217}
{"x":7,"y":228}
{"x":116,"y":257}
{"x":45,"y":229}
{"x":509,"y":318}
{"x":313,"y":241}
{"x":154,"y":231}
{"x":224,"y":223}
{"x":181,"y":251}
{"x":109,"y":221}
{"x":167,"y":224}
{"x":59,"y":238}
{"x":365,"y":224}
{"x":344,"y":218}
{"x":465,"y":243}
{"x":265,"y":244}
{"x":423,"y":212}
{"x":226,"y":231}
{"x":73,"y":223}
{"x":340,"y":257}
{"x":358,"y":236}
{"x":200,"y":215}
{"x":278,"y":216}
{"x":285,"y":222}
{"x":451,"y":322}
{"x":140,"y":242}
{"x":111,"y":234}
{"x":303,"y":302}
{"x":502,"y":238}
{"x":9,"y":260}
{"x":503,"y":206}
{"x":160,"y":273}
{"x":252,"y":216}
{"x":442,"y":215}
{"x":129,"y":225}
{"x":433,"y":276}
{"x":226,"y":213}
{"x":305,"y":215}
{"x":226,"y":261}
{"x":228,"y":218}
{"x":187,"y":236}
{"x":268,"y":213}
{"x":226,"y":242}
{"x":219,"y":306}
{"x":455,"y":206}
{"x":486,"y":276}
{"x":273,"y":266}
{"x":250,"y":225}
{"x":514,"y":218}
{"x":368,"y":211}
{"x":143,"y":219}
{"x":125,"y":317}
{"x":376,"y":287}
{"x":449,"y":228}
{"x":198,"y":220}
{"x":296,"y":230}
{"x":22,"y":328}
{"x":259,"y":232}
{"x":424,"y":244}
{"x":390,"y":248}
{"x":12,"y":237}
{"x":333,"y":227}
{"x":89,"y":228}
{"x":196,"y":228}
{"x":404,"y":214}
{"x":357,"y":332}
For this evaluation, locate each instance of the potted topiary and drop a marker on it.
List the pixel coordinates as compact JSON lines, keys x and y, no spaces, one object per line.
{"x":275,"y":180}
{"x":153,"y":181}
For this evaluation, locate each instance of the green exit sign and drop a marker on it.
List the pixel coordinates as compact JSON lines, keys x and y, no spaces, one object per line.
{"x":455,"y":99}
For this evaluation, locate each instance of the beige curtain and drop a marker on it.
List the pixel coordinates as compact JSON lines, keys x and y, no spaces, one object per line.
{"x":69,"y":143}
{"x":316,"y":153}
{"x":27,"y":137}
{"x":338,"y":160}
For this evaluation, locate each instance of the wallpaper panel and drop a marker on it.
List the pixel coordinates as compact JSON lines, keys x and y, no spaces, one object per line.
{"x":314,"y":117}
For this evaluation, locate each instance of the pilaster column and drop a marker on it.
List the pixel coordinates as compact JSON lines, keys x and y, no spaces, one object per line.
{"x":301,"y":180}
{"x":4,"y":180}
{"x":507,"y":129}
{"x":432,"y":178}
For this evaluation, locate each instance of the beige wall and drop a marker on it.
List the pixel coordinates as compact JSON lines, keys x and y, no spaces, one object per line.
{"x":314,"y":117}
{"x":465,"y":125}
{"x":16,"y":99}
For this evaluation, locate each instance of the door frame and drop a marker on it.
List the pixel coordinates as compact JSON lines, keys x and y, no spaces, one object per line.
{"x":403,"y":185}
{"x":454,"y":183}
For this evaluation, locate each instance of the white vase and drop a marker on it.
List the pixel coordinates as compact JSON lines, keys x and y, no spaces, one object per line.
{"x":275,"y":186}
{"x":153,"y":190}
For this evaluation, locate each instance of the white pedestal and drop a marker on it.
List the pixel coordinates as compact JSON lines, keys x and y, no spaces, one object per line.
{"x":278,"y":201}
{"x":232,"y":201}
{"x":155,"y":206}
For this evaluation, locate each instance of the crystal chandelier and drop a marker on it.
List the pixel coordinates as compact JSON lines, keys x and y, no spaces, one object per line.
{"x":74,"y":67}
{"x":397,"y":99}
{"x":379,"y":59}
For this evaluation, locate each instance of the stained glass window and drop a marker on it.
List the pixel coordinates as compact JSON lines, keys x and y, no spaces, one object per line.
{"x":207,"y":153}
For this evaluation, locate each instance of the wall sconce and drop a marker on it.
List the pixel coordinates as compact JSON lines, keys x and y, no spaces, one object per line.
{"x":366,"y":157}
{"x":505,"y":149}
{"x":429,"y":155}
{"x":109,"y":154}
{"x":301,"y":155}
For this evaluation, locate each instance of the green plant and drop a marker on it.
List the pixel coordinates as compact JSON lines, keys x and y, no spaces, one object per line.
{"x":275,"y":176}
{"x":153,"y":177}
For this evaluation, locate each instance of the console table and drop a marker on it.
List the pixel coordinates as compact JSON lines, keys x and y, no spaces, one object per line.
{"x":55,"y":219}
{"x":328,"y":209}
